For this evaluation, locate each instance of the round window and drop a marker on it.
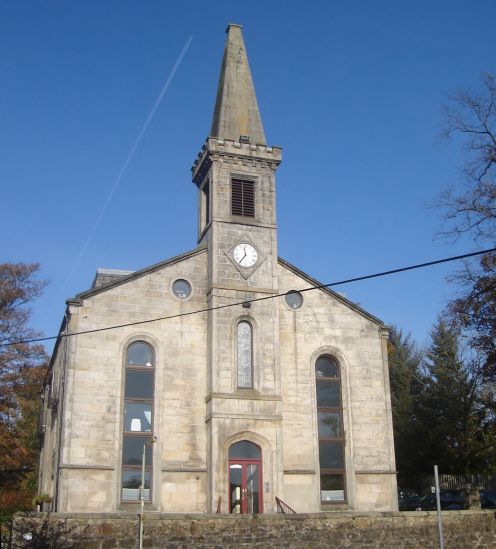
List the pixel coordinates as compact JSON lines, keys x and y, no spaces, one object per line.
{"x":181,"y":288}
{"x":294,"y":299}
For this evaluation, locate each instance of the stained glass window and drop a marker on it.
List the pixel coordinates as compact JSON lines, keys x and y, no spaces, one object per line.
{"x":245,"y":355}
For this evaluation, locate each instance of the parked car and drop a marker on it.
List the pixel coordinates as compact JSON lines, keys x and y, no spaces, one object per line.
{"x":451,"y":500}
{"x":488,"y":499}
{"x":408,"y":500}
{"x":428,"y":503}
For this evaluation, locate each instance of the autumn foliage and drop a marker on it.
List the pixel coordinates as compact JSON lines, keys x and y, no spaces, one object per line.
{"x":22,"y":371}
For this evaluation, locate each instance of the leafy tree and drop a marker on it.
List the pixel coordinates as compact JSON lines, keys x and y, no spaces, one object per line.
{"x":458,"y":433}
{"x":471,"y":116}
{"x":439,"y":405}
{"x":406,"y":383}
{"x":22,"y":370}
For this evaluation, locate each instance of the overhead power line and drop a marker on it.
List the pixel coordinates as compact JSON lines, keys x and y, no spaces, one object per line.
{"x":254,"y":300}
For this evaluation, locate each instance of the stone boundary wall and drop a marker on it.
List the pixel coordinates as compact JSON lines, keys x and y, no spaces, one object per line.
{"x":462,"y":530}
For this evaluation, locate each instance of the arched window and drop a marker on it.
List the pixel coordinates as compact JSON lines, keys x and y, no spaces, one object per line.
{"x":330,"y":426}
{"x":244,"y":449}
{"x":138,"y":419}
{"x":244,"y":344}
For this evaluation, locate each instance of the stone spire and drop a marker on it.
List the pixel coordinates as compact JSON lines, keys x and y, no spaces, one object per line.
{"x":236,"y":109}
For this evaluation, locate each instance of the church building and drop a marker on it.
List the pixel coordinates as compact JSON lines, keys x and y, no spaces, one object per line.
{"x":250,"y":392}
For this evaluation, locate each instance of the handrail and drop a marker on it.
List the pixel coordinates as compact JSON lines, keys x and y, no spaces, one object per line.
{"x":284,"y":508}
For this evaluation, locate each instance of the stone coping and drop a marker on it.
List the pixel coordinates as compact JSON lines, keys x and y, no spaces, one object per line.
{"x":150,"y":515}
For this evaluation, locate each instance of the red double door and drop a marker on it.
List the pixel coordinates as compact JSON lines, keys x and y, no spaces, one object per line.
{"x":245,"y":478}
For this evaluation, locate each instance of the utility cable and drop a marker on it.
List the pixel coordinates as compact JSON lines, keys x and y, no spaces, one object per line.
{"x":254,"y":300}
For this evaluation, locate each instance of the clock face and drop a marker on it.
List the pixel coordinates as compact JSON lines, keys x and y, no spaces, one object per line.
{"x":245,"y":255}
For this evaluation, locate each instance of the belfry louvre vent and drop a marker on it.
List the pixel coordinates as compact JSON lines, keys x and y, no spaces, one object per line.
{"x":243,"y":198}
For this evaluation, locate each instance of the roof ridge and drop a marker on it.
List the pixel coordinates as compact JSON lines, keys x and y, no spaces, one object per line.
{"x":331,"y":292}
{"x":135,"y":274}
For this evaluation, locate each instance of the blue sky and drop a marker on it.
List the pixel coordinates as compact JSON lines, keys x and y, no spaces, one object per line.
{"x":351,"y":90}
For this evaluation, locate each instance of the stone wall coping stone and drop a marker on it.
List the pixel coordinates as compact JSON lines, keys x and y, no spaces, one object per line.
{"x":374,"y":530}
{"x":325,"y":515}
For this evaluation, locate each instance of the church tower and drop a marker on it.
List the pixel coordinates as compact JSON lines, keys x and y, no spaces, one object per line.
{"x":262,"y":399}
{"x":235,"y":176}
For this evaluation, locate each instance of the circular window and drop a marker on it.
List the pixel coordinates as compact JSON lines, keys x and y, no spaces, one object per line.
{"x":294,"y":299}
{"x":181,"y":288}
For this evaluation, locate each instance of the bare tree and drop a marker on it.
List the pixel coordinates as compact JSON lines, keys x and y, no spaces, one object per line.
{"x":471,"y":117}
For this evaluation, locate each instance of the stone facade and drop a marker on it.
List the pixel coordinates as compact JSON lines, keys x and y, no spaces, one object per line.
{"x":200,"y":411}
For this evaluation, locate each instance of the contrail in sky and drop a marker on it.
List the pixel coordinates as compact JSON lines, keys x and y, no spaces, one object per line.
{"x":126,"y":162}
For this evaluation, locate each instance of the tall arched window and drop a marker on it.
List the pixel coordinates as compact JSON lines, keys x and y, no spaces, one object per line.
{"x":138,"y":419}
{"x":330,"y":426}
{"x":244,"y":344}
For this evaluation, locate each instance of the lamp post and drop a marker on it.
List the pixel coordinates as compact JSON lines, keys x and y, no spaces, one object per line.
{"x":438,"y":508}
{"x":142,"y":489}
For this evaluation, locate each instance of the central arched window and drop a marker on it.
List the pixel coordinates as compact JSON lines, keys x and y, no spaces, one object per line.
{"x":138,"y":419}
{"x":244,"y":345}
{"x":330,"y":426}
{"x":245,"y":449}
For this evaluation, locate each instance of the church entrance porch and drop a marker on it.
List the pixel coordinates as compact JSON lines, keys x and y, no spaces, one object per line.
{"x":245,"y":478}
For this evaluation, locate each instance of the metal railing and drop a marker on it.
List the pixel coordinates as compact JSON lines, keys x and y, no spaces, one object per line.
{"x":284,"y":508}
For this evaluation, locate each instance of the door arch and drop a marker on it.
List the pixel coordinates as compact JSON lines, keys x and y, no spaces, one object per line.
{"x":245,"y":478}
